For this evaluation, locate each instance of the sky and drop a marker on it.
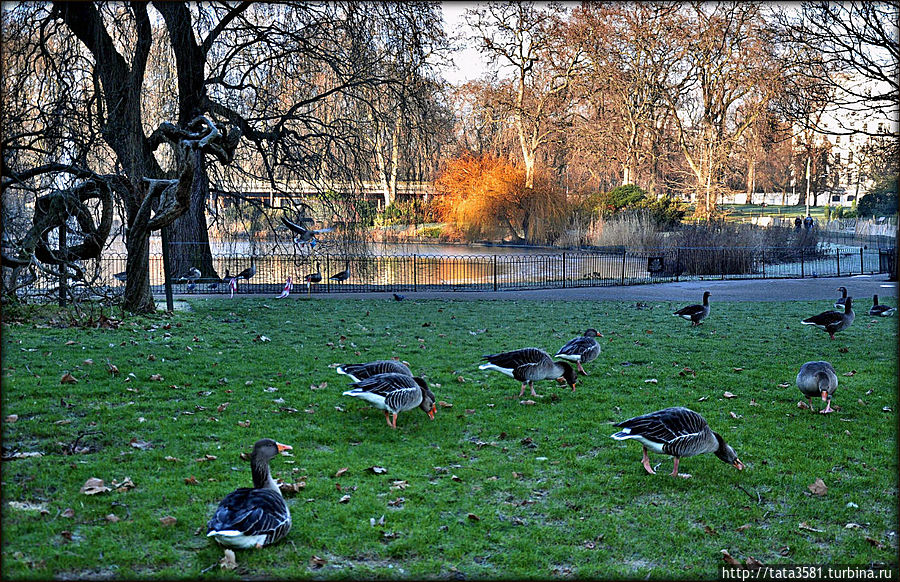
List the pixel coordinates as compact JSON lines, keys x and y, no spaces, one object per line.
{"x":469,"y":62}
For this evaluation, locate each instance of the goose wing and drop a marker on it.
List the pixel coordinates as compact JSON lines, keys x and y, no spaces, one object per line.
{"x":369,"y":369}
{"x":252,"y":512}
{"x":517,"y":358}
{"x":690,"y":310}
{"x":385,"y":384}
{"x":585,"y":347}
{"x":665,"y":426}
{"x":825,"y":319}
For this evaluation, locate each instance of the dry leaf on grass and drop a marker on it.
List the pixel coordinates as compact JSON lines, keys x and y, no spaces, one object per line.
{"x":728,"y":395}
{"x":316,"y":562}
{"x":344,"y":499}
{"x":784,"y":385}
{"x":651,"y":381}
{"x":852,"y":525}
{"x":818,"y":487}
{"x":172,"y":459}
{"x":341,"y":471}
{"x":399,"y":485}
{"x":191,"y":480}
{"x":228,"y":561}
{"x":752,"y":562}
{"x":473,"y":517}
{"x":112,"y":518}
{"x":244,"y":424}
{"x":68,"y":512}
{"x":70,"y":343}
{"x":11,"y":418}
{"x":527,"y":402}
{"x":802,"y":405}
{"x":125,"y":485}
{"x":807,"y":527}
{"x":875,"y":543}
{"x":738,"y":369}
{"x":139,"y":444}
{"x":167,"y":520}
{"x":156,"y":378}
{"x":68,"y":378}
{"x":261,"y":338}
{"x":93,"y":486}
{"x":710,"y":531}
{"x":443,"y":404}
{"x":291,"y":488}
{"x":222,"y":407}
{"x":377,"y":470}
{"x":729,"y":560}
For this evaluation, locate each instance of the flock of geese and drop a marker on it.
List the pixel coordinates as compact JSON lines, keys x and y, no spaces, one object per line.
{"x":259,"y":516}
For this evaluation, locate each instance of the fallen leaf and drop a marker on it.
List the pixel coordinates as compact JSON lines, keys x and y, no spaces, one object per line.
{"x":112,"y":518}
{"x":473,"y":517}
{"x":191,"y":480}
{"x":687,"y":371}
{"x":802,"y":405}
{"x":344,"y":499}
{"x":753,"y":402}
{"x":244,"y":424}
{"x":733,"y":415}
{"x":651,"y":381}
{"x":455,"y":478}
{"x":443,"y":404}
{"x":151,"y":357}
{"x":710,"y":531}
{"x":738,"y":369}
{"x":744,"y":527}
{"x":728,"y":395}
{"x":818,"y":487}
{"x":68,"y":512}
{"x":784,"y":385}
{"x":292,"y":488}
{"x":167,"y":520}
{"x":93,"y":486}
{"x":752,"y":562}
{"x":125,"y":485}
{"x":66,"y":534}
{"x":222,"y":407}
{"x":173,"y":459}
{"x":70,"y":343}
{"x":850,"y":373}
{"x":527,"y":402}
{"x":729,"y":560}
{"x":89,"y":362}
{"x":341,"y":471}
{"x":460,"y":379}
{"x":702,"y":398}
{"x":63,"y":421}
{"x":261,"y":338}
{"x":11,"y":418}
{"x":844,"y":350}
{"x":139,"y":444}
{"x":807,"y":527}
{"x":316,"y":562}
{"x":852,"y":526}
{"x":228,"y":561}
{"x":378,"y":470}
{"x":156,"y":378}
{"x":68,"y":378}
{"x":875,"y":543}
{"x":399,"y":484}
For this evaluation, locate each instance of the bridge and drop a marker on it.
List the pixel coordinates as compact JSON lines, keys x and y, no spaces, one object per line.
{"x":281,"y":194}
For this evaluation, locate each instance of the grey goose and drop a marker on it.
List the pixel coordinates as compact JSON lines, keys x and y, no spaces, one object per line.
{"x":581,"y":350}
{"x":253,"y":517}
{"x":880,"y":310}
{"x":695,"y":313}
{"x":675,"y":431}
{"x":359,"y":372}
{"x":839,"y":304}
{"x":529,"y":365}
{"x":833,"y":321}
{"x":395,"y":393}
{"x":817,"y":378}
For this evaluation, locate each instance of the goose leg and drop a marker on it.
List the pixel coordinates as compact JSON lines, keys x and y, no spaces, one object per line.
{"x":387,"y":417}
{"x":522,"y":391}
{"x":394,"y":425}
{"x":580,"y":368}
{"x":675,"y":470}
{"x":828,"y":408}
{"x":646,"y":463}
{"x":533,"y":393}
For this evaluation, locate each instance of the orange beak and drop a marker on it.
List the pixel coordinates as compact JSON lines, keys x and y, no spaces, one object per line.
{"x":431,"y":412}
{"x":738,"y":465}
{"x":282,"y":448}
{"x":824,"y":396}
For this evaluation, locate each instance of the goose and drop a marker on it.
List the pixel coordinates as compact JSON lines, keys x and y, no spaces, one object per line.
{"x":675,"y":431}
{"x":248,"y":272}
{"x":839,"y":304}
{"x":581,"y":350}
{"x":395,"y":393}
{"x":314,"y":277}
{"x":123,"y":276}
{"x":833,"y":321}
{"x":399,"y":297}
{"x":880,"y":310}
{"x":343,"y":275}
{"x":359,"y":372}
{"x":529,"y":365}
{"x":253,"y":517}
{"x":303,"y":234}
{"x":815,"y":378}
{"x":192,"y":275}
{"x":215,"y":284}
{"x":695,"y":313}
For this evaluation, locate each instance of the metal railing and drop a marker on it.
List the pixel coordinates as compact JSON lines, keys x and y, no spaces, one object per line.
{"x":501,"y":272}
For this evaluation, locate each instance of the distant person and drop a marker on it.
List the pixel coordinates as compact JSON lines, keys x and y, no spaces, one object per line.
{"x":808,"y":222}
{"x":798,"y":222}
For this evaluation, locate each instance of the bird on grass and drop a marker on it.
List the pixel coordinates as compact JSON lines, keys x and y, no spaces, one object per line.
{"x":833,"y":321}
{"x":676,"y":431}
{"x":695,"y":313}
{"x":880,"y":310}
{"x":395,"y":393}
{"x":253,"y":517}
{"x":839,"y":304}
{"x":215,"y":284}
{"x":314,"y":277}
{"x":815,"y":378}
{"x":581,"y":350}
{"x":398,"y":297}
{"x":359,"y":372}
{"x":249,"y":272}
{"x":529,"y":365}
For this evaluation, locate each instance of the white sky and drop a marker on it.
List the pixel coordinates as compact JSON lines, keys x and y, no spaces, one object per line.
{"x":469,"y":63}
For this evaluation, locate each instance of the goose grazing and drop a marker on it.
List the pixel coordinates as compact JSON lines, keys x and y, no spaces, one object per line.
{"x":395,"y":393}
{"x":839,"y":304}
{"x":815,"y":378}
{"x":253,"y":517}
{"x":695,"y":313}
{"x":303,"y":234}
{"x":359,"y":372}
{"x":581,"y":350}
{"x":248,"y":272}
{"x":529,"y":365}
{"x":880,"y":310}
{"x":676,"y":431}
{"x":833,"y":321}
{"x":215,"y":284}
{"x":343,"y":275}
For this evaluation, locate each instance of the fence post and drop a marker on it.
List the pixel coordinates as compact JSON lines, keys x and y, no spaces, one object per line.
{"x":495,"y":272}
{"x":564,"y":270}
{"x":764,"y":263}
{"x":624,"y":253}
{"x":63,"y":269}
{"x":801,"y":263}
{"x":722,"y":264}
{"x":167,"y":280}
{"x":837,"y":255}
{"x":415,"y":275}
{"x":861,"y":264}
{"x":327,"y":276}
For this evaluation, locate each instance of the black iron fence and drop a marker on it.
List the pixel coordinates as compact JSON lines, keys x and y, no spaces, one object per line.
{"x":498,"y":272}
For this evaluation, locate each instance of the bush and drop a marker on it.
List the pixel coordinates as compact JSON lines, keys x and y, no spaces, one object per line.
{"x":880,"y":200}
{"x":665,"y":213}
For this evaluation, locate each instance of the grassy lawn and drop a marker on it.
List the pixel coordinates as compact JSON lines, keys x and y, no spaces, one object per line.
{"x":736,"y":211}
{"x":492,"y":488}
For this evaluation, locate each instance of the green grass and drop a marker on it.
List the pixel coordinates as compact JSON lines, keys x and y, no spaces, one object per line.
{"x":737,"y":211}
{"x":568,"y":502}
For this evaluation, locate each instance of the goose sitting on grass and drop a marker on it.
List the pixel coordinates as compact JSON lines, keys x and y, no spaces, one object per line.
{"x":253,"y":517}
{"x":815,"y":378}
{"x":395,"y":393}
{"x":529,"y":365}
{"x":880,"y":310}
{"x":676,"y":431}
